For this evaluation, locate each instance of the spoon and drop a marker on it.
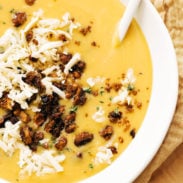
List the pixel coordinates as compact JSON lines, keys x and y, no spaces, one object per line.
{"x":125,"y":21}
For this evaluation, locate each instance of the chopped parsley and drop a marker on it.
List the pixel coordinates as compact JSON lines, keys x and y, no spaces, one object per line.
{"x":74,"y":108}
{"x":91,"y":166}
{"x":130,"y":87}
{"x":12,"y":10}
{"x":101,"y":91}
{"x":87,"y":90}
{"x":110,"y":98}
{"x":116,"y":111}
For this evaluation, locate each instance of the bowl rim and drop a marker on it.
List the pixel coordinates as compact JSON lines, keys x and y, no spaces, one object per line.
{"x":150,"y":136}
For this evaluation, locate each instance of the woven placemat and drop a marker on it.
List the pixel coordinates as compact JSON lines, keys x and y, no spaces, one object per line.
{"x":171,"y":12}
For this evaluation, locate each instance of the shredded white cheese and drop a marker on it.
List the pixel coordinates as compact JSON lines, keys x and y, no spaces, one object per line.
{"x":47,"y":81}
{"x":93,"y":81}
{"x":130,"y":78}
{"x":123,"y":94}
{"x":10,"y":137}
{"x":54,"y":68}
{"x":104,"y":155}
{"x":122,"y":97}
{"x":29,"y":162}
{"x":40,"y":164}
{"x":73,"y":61}
{"x":36,"y":16}
{"x":98,"y":116}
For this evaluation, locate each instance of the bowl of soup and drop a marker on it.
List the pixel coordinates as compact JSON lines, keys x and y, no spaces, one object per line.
{"x":75,"y":108}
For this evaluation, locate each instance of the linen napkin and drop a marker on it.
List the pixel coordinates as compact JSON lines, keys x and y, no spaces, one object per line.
{"x":171,"y":11}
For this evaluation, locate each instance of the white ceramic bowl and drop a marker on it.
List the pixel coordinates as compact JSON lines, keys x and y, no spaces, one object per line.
{"x":162,"y":103}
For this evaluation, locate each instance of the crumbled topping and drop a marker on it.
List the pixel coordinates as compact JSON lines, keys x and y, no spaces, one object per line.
{"x":19,"y":18}
{"x":30,"y":2}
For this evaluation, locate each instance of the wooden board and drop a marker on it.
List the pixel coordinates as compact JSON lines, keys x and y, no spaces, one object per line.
{"x":171,"y":170}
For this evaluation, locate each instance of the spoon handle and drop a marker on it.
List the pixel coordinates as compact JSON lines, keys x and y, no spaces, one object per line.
{"x":127,"y":18}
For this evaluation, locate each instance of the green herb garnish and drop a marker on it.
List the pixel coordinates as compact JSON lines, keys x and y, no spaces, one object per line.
{"x":101,"y":92}
{"x":130,"y":87}
{"x":91,"y":166}
{"x":74,"y":108}
{"x":116,"y":111}
{"x":12,"y":10}
{"x":87,"y":90}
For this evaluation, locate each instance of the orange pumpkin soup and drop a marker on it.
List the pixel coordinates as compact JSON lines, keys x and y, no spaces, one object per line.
{"x":70,"y":102}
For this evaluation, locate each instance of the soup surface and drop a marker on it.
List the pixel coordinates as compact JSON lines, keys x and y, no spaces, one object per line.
{"x":75,"y":101}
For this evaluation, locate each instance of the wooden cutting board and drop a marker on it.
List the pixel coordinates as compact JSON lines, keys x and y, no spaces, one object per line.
{"x":171,"y":171}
